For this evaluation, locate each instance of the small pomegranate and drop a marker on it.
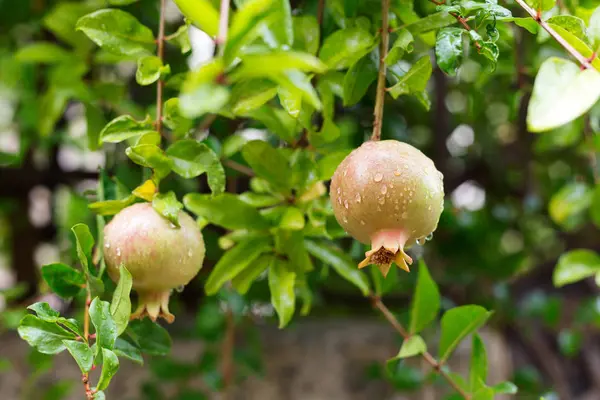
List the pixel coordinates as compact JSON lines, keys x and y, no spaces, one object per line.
{"x":389,"y":194}
{"x":159,"y":255}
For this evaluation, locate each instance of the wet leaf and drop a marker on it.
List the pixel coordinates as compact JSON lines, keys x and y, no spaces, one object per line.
{"x":167,"y":205}
{"x":106,"y":328}
{"x":63,"y":280}
{"x":449,"y":49}
{"x":82,"y":354}
{"x":110,"y":365}
{"x":281,"y":285}
{"x":125,"y":127}
{"x":344,"y":47}
{"x":120,"y":306}
{"x":45,"y":337}
{"x":192,"y":158}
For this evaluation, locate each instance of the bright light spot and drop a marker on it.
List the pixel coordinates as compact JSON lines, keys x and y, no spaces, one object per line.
{"x":254,"y":134}
{"x":93,"y":160}
{"x":46,"y":253}
{"x":469,"y":71}
{"x":9,"y":141}
{"x":40,"y":213}
{"x":203,"y":47}
{"x":88,"y":184}
{"x":469,"y":196}
{"x":69,"y":158}
{"x":456,"y":102}
{"x":497,"y":113}
{"x":506,"y":133}
{"x":459,"y":141}
{"x":7,"y":111}
{"x":511,"y":242}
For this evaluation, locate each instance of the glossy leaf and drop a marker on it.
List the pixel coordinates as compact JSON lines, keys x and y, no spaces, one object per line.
{"x":340,"y":262}
{"x":344,"y":47}
{"x":192,"y":158}
{"x":235,"y":261}
{"x":299,"y":84}
{"x":267,"y":163}
{"x":82,"y":354}
{"x":595,"y":206}
{"x":430,"y":23}
{"x":125,"y":349}
{"x":426,"y":301}
{"x":505,"y":388}
{"x":45,"y":337}
{"x":151,"y":156}
{"x":84,"y":244}
{"x":167,"y":205}
{"x":358,"y":79}
{"x":457,"y":323}
{"x":44,"y":311}
{"x":593,"y":29}
{"x":111,"y":207}
{"x":202,"y":13}
{"x":225,"y":210}
{"x":146,"y":190}
{"x":290,"y":99}
{"x":174,"y":120}
{"x":244,"y":279}
{"x":106,"y":328}
{"x":449,"y":49}
{"x":561,"y":93}
{"x":277,"y":121}
{"x":542,"y":5}
{"x":415,"y":80}
{"x":412,"y":346}
{"x":306,"y":33}
{"x":201,"y":92}
{"x":479,"y":364}
{"x":575,"y":265}
{"x":120,"y":306}
{"x":251,"y":94}
{"x":118,"y":32}
{"x":281,"y":285}
{"x":151,"y":338}
{"x":265,"y":65}
{"x":148,"y":70}
{"x":125,"y":127}
{"x":110,"y":365}
{"x":181,"y":38}
{"x":63,"y":280}
{"x":283,"y":30}
{"x":571,"y":24}
{"x":402,"y":45}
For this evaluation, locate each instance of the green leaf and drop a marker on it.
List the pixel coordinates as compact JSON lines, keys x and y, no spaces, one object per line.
{"x":457,"y":323}
{"x":344,"y":47}
{"x":277,"y":121}
{"x":265,"y":65}
{"x":42,"y":53}
{"x":292,"y":219}
{"x":569,"y":342}
{"x":192,"y":158}
{"x":45,"y":337}
{"x":148,"y":70}
{"x":244,"y":279}
{"x":290,"y":99}
{"x":578,"y":44}
{"x":110,"y":365}
{"x":235,"y":261}
{"x":151,"y":338}
{"x":181,"y":38}
{"x":358,"y":79}
{"x":167,"y":205}
{"x":246,"y":24}
{"x":63,"y":280}
{"x":125,"y":127}
{"x":430,"y":23}
{"x":412,"y":346}
{"x":505,"y":388}
{"x":541,"y":5}
{"x":106,"y":328}
{"x":125,"y":349}
{"x":299,"y":84}
{"x":151,"y":156}
{"x":95,"y":120}
{"x":415,"y":80}
{"x":283,"y":30}
{"x":82,"y":354}
{"x":85,"y":243}
{"x":52,"y":106}
{"x":268,"y":163}
{"x":99,"y":395}
{"x":306,"y":33}
{"x":402,"y":45}
{"x":250,"y":95}
{"x":340,"y":262}
{"x":449,"y":49}
{"x":120,"y":306}
{"x":595,"y":206}
{"x":118,"y":32}
{"x":571,"y":24}
{"x":567,"y":207}
{"x":225,"y":210}
{"x":111,"y":207}
{"x":484,"y":393}
{"x":44,"y":311}
{"x":575,"y":265}
{"x":202,"y":13}
{"x":479,"y":364}
{"x":202,"y":93}
{"x":281,"y":285}
{"x":61,"y":21}
{"x":528,"y":23}
{"x":593,"y":29}
{"x":561,"y":93}
{"x":328,"y":164}
{"x":426,"y":301}
{"x":174,"y":120}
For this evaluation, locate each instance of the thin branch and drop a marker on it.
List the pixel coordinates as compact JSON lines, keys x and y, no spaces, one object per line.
{"x":238,"y":167}
{"x":227,"y":354}
{"x":536,"y":15}
{"x":459,"y":19}
{"x":223,"y":23}
{"x":437,"y":366}
{"x":592,"y":155}
{"x":320,"y":11}
{"x":380,"y":97}
{"x":85,"y":378}
{"x":160,"y":54}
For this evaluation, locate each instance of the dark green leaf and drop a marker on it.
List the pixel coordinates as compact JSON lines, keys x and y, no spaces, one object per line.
{"x":61,"y":21}
{"x":82,"y":354}
{"x":117,"y":31}
{"x":110,"y":365}
{"x":202,"y":13}
{"x":151,"y":156}
{"x":306,"y":33}
{"x":125,"y":127}
{"x":192,"y":158}
{"x":595,"y":206}
{"x":575,"y":265}
{"x":268,"y":163}
{"x":281,"y":285}
{"x":426,"y":301}
{"x":225,"y":210}
{"x":151,"y":338}
{"x":235,"y":261}
{"x":125,"y":349}
{"x":102,"y":319}
{"x":457,"y":323}
{"x":340,"y":262}
{"x":45,"y":337}
{"x":167,"y":205}
{"x":569,"y":342}
{"x":202,"y":93}
{"x":449,"y":49}
{"x":344,"y":47}
{"x":120,"y":306}
{"x":358,"y":79}
{"x":63,"y":280}
{"x":479,"y":364}
{"x":244,"y":279}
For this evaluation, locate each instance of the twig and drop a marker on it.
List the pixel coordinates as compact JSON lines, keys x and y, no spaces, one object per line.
{"x":238,"y":167}
{"x":380,"y":96}
{"x":536,"y":15}
{"x":85,"y":378}
{"x":223,"y":23}
{"x":227,"y":354}
{"x":160,"y":54}
{"x":437,"y":366}
{"x":459,"y":19}
{"x":320,"y":11}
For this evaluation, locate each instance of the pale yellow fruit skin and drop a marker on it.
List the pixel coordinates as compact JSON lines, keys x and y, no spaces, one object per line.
{"x":158,"y":255}
{"x":387,"y":185}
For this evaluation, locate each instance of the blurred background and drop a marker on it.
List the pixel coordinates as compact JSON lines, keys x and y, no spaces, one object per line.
{"x":515,"y":202}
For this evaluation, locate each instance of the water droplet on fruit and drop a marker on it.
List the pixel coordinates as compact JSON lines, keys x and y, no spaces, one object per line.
{"x":179,"y":288}
{"x":107,"y":245}
{"x":345,"y":220}
{"x":362,"y":222}
{"x":190,"y":253}
{"x":358,"y":199}
{"x":383,"y":189}
{"x":173,"y":226}
{"x":118,"y":252}
{"x":346,"y":204}
{"x":429,"y":237}
{"x":382,"y":200}
{"x":420,"y":241}
{"x":339,"y":190}
{"x":339,"y":200}
{"x":391,"y":185}
{"x":378,"y":177}
{"x":404,"y":214}
{"x":345,"y":172}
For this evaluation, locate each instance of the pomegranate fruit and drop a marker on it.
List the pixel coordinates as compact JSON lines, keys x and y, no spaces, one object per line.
{"x":389,"y":194}
{"x":159,"y":255}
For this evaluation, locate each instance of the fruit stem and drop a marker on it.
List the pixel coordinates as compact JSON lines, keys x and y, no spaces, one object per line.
{"x":436,"y":365}
{"x":380,"y":96}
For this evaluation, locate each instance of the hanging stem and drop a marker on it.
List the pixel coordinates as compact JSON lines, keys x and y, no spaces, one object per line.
{"x":85,"y":378}
{"x":160,"y":40}
{"x":380,"y":96}
{"x":437,"y":366}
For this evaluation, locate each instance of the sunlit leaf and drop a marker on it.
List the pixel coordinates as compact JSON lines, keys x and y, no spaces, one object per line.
{"x":574,"y":266}
{"x":120,"y":306}
{"x":82,"y":354}
{"x":110,"y":365}
{"x":192,"y":158}
{"x":344,"y":47}
{"x":167,"y":205}
{"x":426,"y":301}
{"x":457,"y":323}
{"x":281,"y":285}
{"x":225,"y":210}
{"x":202,"y":13}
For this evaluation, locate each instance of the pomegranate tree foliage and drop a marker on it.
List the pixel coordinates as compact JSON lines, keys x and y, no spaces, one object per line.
{"x":308,"y":85}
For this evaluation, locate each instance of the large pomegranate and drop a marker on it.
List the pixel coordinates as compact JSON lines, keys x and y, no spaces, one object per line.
{"x":389,"y":194}
{"x":159,"y":255}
